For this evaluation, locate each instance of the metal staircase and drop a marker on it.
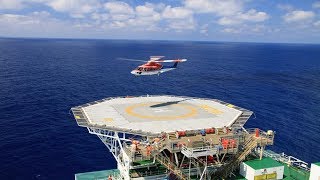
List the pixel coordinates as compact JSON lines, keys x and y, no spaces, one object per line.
{"x":170,"y":166}
{"x":234,"y":163}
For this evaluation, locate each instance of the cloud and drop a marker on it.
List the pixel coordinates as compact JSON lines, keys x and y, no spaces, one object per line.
{"x":231,"y":30}
{"x":11,"y":4}
{"x":39,"y":24}
{"x":145,"y":18}
{"x":182,"y":25}
{"x":316,"y":24}
{"x":118,"y":24}
{"x":316,"y":4}
{"x":259,"y":28}
{"x":285,"y":7}
{"x":250,"y":16}
{"x":256,"y":29}
{"x":226,"y":21}
{"x":176,"y":13}
{"x":122,"y":15}
{"x":119,"y":11}
{"x":145,"y":10}
{"x":229,"y":12}
{"x":13,"y":18}
{"x":34,"y":18}
{"x":298,"y":16}
{"x":118,"y":7}
{"x":76,"y":8}
{"x":178,"y":18}
{"x":41,"y":14}
{"x":254,"y":16}
{"x":100,"y":16}
{"x":219,"y":7}
{"x":204,"y":29}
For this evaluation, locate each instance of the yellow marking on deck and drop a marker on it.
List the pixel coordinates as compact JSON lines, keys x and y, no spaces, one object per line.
{"x":211,"y":110}
{"x":191,"y":112}
{"x":230,"y":105}
{"x":108,"y":119}
{"x":77,"y":117}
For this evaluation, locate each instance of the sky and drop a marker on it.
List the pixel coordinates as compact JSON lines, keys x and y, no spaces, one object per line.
{"x":287,"y":21}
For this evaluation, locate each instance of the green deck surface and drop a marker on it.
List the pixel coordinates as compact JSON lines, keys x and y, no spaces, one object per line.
{"x":318,"y":163}
{"x":293,"y":173}
{"x":96,"y":175}
{"x":143,"y":162}
{"x":263,"y":163}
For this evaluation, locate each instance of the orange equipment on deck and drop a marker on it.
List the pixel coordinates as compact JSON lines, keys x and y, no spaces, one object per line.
{"x":225,"y":143}
{"x":149,"y":149}
{"x":180,"y":134}
{"x":232,"y":143}
{"x":257,"y":132}
{"x":210,"y":131}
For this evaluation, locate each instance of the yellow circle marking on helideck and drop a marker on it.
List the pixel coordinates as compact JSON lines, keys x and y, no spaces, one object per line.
{"x":230,"y":105}
{"x":191,"y":112}
{"x":108,"y":119}
{"x":211,"y":110}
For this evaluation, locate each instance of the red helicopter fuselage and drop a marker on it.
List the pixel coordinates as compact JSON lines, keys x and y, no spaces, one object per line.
{"x":148,"y":68}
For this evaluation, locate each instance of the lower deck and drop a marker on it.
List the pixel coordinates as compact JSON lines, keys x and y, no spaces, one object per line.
{"x":290,"y":173}
{"x":98,"y":175}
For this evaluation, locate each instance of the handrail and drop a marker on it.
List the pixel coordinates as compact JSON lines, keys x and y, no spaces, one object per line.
{"x":284,"y":158}
{"x":201,"y":148}
{"x":151,"y":173}
{"x":170,"y":165}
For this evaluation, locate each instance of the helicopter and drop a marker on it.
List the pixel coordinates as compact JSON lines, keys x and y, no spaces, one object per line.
{"x":153,"y":66}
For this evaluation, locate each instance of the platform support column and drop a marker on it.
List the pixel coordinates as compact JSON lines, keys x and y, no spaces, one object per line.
{"x":114,"y":142}
{"x":261,"y":152}
{"x":189,"y":167}
{"x":176,"y":158}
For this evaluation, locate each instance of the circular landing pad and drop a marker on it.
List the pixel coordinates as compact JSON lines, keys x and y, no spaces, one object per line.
{"x":161,"y":111}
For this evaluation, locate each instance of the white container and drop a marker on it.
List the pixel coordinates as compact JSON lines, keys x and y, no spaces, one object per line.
{"x":266,"y":168}
{"x":315,"y":171}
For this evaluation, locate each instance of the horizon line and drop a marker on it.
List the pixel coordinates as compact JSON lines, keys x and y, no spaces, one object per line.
{"x":176,"y":40}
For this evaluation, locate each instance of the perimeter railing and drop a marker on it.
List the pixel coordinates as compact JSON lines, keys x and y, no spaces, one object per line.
{"x":284,"y":158}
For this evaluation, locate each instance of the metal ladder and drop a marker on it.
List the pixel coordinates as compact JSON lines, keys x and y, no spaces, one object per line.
{"x":170,"y":166}
{"x":250,"y":144}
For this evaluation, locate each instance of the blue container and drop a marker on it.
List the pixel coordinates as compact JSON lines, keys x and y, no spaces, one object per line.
{"x":203,"y":132}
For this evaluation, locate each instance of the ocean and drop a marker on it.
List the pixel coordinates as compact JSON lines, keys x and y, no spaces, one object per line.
{"x":41,"y":79}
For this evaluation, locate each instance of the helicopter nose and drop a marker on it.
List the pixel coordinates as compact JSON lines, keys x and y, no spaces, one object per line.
{"x":134,"y":72}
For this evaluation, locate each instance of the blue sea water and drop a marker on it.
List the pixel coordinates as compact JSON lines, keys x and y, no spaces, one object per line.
{"x":41,"y":79}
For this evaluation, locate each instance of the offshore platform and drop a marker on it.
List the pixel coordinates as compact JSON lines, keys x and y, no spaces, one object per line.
{"x":176,"y":137}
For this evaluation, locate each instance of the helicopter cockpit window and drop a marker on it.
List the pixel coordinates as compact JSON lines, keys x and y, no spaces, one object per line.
{"x":140,"y":68}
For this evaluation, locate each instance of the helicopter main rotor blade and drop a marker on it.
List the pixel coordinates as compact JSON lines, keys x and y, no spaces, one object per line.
{"x":171,"y":60}
{"x":127,"y":59}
